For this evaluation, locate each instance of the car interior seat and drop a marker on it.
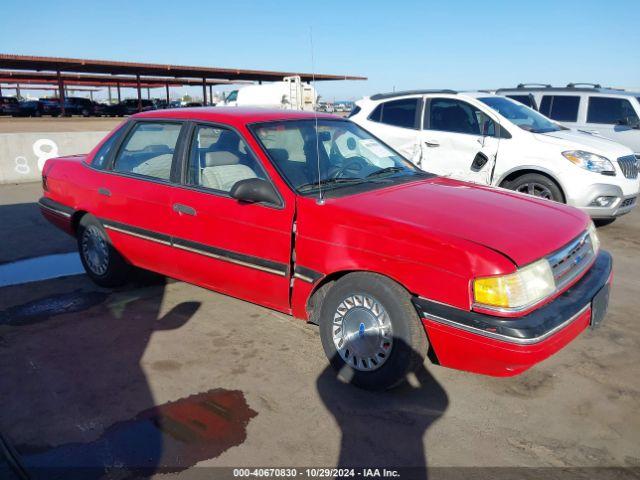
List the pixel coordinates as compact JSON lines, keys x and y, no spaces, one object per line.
{"x":223,"y":170}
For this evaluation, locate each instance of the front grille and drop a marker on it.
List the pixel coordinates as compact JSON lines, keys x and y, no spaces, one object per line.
{"x":629,"y":166}
{"x":571,"y":260}
{"x":627,"y":202}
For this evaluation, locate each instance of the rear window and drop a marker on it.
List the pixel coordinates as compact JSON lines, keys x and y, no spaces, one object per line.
{"x":563,"y":108}
{"x":398,"y":113}
{"x":524,"y":99}
{"x":609,"y":110}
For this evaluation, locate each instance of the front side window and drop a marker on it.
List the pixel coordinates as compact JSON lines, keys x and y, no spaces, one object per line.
{"x":219,"y":159}
{"x":563,"y":108}
{"x":451,"y":115}
{"x":610,"y":110}
{"x":398,"y":113}
{"x":524,"y":117}
{"x":149,"y":150}
{"x":336,"y":154}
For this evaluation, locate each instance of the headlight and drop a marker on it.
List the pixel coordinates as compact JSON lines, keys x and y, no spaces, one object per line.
{"x":590,"y":161}
{"x":517,"y":290}
{"x":593,"y":235}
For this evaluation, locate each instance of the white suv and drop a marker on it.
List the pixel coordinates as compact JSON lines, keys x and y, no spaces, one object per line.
{"x":489,"y":139}
{"x":609,"y":112}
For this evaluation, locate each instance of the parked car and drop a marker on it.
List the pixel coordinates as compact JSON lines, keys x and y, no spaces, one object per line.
{"x":9,"y":106}
{"x":610,"y":112}
{"x":311,"y":215}
{"x":127,"y":107}
{"x":490,"y":139}
{"x":37,"y":108}
{"x":76,"y":106}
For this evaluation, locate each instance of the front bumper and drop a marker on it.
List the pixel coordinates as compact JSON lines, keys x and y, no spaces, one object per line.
{"x":501,"y":346}
{"x":621,"y":205}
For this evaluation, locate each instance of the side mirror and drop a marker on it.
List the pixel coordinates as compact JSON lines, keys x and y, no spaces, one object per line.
{"x":254,"y":190}
{"x":623,"y":121}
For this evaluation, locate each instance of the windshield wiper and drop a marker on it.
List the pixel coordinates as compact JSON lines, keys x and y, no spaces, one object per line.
{"x":383,"y":171}
{"x":328,"y":181}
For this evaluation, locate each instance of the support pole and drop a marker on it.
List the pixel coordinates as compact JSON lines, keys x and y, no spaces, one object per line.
{"x":18,"y":91}
{"x":91,"y":95}
{"x":211,"y":94}
{"x":204,"y":92}
{"x":118,"y":85}
{"x":139,"y":93}
{"x":166,"y":87}
{"x":148,"y":93}
{"x":109,"y":90}
{"x":61,"y":94}
{"x":0,"y":90}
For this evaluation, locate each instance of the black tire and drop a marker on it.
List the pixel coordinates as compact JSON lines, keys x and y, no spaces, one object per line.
{"x":115,"y":271}
{"x":409,"y":348}
{"x":603,"y":222}
{"x":536,"y":178}
{"x":85,"y":112}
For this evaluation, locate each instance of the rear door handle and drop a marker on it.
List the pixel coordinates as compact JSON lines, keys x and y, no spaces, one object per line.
{"x":186,"y":209}
{"x":431,"y":143}
{"x":104,"y":191}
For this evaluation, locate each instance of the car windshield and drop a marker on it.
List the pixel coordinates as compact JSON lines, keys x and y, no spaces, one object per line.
{"x":521,"y":115}
{"x":336,"y":154}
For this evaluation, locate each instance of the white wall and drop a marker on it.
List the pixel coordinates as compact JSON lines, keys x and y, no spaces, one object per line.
{"x":22,"y":155}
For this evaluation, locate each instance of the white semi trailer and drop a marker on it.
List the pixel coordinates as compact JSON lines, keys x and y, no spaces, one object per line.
{"x":289,"y":94}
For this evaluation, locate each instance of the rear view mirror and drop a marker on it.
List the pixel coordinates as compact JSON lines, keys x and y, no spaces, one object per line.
{"x":254,"y":190}
{"x":632,"y":122}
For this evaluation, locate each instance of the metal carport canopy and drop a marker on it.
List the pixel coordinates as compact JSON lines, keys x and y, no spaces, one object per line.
{"x":23,"y":62}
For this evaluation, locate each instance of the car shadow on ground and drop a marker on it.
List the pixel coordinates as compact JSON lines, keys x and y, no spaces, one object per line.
{"x":384,"y":429}
{"x":77,"y":402}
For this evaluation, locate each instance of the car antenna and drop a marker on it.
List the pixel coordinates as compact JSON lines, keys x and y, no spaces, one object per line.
{"x":320,"y":200}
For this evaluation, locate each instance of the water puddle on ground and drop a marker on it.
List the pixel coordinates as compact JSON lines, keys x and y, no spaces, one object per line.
{"x":43,"y":308}
{"x":168,"y":438}
{"x":40,"y":268}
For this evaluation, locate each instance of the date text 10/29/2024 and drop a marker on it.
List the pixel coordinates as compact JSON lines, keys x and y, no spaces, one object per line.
{"x":286,"y":473}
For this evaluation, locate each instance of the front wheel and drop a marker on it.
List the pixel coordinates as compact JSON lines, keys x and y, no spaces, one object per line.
{"x":102,"y":262}
{"x":538,"y":186}
{"x":371,"y":332}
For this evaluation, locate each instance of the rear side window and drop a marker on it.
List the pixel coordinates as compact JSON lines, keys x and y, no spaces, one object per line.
{"x":398,"y":113}
{"x":102,"y":155}
{"x":609,"y":110}
{"x":149,"y":150}
{"x":563,"y":108}
{"x":524,"y":99}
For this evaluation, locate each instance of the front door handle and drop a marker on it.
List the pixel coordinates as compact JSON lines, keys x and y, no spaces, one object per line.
{"x":104,"y":191}
{"x":186,"y":209}
{"x":431,"y":143}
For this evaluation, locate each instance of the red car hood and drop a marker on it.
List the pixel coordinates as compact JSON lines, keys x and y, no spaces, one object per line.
{"x":521,"y":227}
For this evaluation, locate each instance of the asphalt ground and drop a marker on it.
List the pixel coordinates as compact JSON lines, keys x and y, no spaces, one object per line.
{"x":184,"y":381}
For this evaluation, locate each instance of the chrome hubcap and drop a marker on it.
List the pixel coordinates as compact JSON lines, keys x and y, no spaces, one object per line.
{"x":535,"y":189}
{"x":95,"y":250}
{"x":362,"y":332}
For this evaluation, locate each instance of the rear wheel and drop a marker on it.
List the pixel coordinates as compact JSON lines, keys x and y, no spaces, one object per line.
{"x":538,"y":186}
{"x":371,"y":331}
{"x":100,"y":259}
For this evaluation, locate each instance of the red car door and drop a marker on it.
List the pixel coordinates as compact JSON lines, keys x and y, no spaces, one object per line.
{"x":241,"y":249}
{"x":134,"y":195}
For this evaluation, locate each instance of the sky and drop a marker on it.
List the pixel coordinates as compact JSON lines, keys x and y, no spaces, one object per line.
{"x":396,"y":44}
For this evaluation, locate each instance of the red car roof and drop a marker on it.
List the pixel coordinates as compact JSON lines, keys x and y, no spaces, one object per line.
{"x":233,"y":115}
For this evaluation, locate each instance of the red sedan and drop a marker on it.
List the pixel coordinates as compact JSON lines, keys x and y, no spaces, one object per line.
{"x":315,"y":217}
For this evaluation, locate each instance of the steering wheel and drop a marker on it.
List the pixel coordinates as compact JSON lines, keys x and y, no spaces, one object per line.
{"x":349,"y":165}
